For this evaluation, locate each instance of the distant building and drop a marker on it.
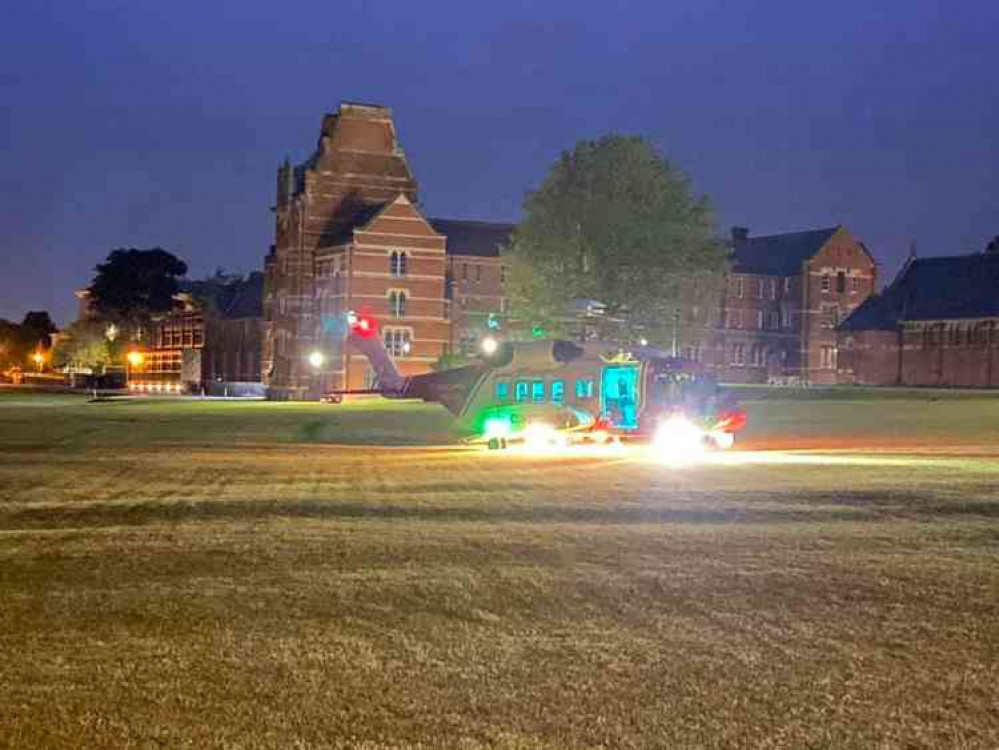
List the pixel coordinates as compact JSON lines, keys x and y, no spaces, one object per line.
{"x":937,"y":324}
{"x":209,"y":344}
{"x":350,"y":235}
{"x":784,"y":297}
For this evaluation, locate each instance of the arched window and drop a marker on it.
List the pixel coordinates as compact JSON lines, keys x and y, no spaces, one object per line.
{"x":397,"y":304}
{"x":397,"y":263}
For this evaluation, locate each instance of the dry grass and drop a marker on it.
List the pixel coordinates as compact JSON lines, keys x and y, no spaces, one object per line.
{"x":300,"y":595}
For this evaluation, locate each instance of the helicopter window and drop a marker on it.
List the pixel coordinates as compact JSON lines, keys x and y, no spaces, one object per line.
{"x":584,"y":388}
{"x":558,"y":391}
{"x":502,"y":390}
{"x":520,"y":391}
{"x":538,"y":391}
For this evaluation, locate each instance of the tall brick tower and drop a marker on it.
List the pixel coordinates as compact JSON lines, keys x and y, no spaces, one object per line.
{"x":357,"y":169}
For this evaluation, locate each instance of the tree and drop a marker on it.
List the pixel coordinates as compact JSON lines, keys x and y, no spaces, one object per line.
{"x":84,"y":345}
{"x":993,"y":246}
{"x":133,"y":284}
{"x":618,"y":223}
{"x":36,"y":328}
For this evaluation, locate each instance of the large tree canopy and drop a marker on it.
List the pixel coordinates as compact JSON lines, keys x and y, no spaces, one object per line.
{"x":616,"y":222}
{"x":132,"y":284}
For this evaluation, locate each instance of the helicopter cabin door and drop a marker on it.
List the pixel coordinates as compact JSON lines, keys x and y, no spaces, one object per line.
{"x":619,"y":395}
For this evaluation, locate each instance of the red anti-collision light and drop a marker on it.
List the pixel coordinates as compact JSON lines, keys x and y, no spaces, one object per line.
{"x":363,"y":325}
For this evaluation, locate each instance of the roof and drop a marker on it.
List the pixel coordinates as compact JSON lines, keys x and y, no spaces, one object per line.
{"x":779,"y":254}
{"x":876,"y":313}
{"x":481,"y":239}
{"x":957,"y":287}
{"x":358,"y":221}
{"x":945,"y":288}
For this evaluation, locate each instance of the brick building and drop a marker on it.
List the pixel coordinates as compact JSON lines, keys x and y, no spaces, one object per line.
{"x":784,"y":297}
{"x":216,"y":340}
{"x":937,"y":324}
{"x":350,"y":235}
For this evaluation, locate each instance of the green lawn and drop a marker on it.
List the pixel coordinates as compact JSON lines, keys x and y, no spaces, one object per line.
{"x":255,"y":575}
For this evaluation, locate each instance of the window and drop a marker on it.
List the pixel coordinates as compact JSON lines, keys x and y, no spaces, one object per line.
{"x":759,"y":319}
{"x":397,"y":341}
{"x":397,"y":304}
{"x":520,"y":391}
{"x":760,"y":284}
{"x":502,"y":274}
{"x":740,"y":286}
{"x":773,"y":288}
{"x":734,"y":318}
{"x":841,"y":282}
{"x":502,"y":390}
{"x":787,"y":284}
{"x":504,"y":305}
{"x":830,"y":316}
{"x":786,"y":321}
{"x":695,"y":351}
{"x":738,"y":358}
{"x":478,"y":273}
{"x":774,"y":321}
{"x":758,"y":356}
{"x":464,"y":272}
{"x":558,"y":391}
{"x":828,"y":358}
{"x":584,"y":388}
{"x":397,"y":263}
{"x":826,"y":284}
{"x":538,"y":391}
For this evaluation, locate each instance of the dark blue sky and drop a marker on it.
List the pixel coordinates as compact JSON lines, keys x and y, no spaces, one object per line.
{"x":141,"y":123}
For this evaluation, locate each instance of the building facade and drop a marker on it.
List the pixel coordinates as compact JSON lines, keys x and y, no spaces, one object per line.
{"x":350,"y":236}
{"x":784,"y":297}
{"x":937,"y":324}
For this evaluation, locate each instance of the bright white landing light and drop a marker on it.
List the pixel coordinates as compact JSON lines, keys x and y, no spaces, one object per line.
{"x":678,"y":440}
{"x":539,"y":437}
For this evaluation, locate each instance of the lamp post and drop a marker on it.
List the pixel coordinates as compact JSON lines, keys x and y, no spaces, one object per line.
{"x":135,"y":360}
{"x":316,"y":359}
{"x":38,"y":358}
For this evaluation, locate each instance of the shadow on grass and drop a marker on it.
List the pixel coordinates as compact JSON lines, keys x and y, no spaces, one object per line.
{"x":806,"y":508}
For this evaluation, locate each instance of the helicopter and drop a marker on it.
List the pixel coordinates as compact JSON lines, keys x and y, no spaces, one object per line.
{"x":554,"y":392}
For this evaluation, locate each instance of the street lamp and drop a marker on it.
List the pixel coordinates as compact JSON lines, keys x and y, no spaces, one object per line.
{"x":136,"y":358}
{"x":316,"y":359}
{"x":38,"y":358}
{"x":489,"y":346}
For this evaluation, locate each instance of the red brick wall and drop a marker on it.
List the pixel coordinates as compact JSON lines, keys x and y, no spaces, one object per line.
{"x":476,"y":292}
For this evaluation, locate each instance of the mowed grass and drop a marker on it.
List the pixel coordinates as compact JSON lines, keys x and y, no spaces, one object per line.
{"x":207,"y":574}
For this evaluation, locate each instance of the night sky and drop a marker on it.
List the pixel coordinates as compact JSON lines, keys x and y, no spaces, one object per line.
{"x":140,"y":123}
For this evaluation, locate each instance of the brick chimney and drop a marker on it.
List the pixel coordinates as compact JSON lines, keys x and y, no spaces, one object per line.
{"x":740,"y":234}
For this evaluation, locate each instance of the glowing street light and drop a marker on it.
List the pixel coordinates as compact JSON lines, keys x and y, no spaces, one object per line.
{"x":489,"y":346}
{"x":135,"y":359}
{"x":38,"y":358}
{"x":316,"y":359}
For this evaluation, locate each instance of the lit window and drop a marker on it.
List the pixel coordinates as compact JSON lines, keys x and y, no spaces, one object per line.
{"x":584,"y":388}
{"x":520,"y":391}
{"x":502,"y":390}
{"x":558,"y":391}
{"x":397,"y":341}
{"x":538,"y":391}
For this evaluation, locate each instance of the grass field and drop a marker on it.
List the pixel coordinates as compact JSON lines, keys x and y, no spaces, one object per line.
{"x":209,"y":574}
